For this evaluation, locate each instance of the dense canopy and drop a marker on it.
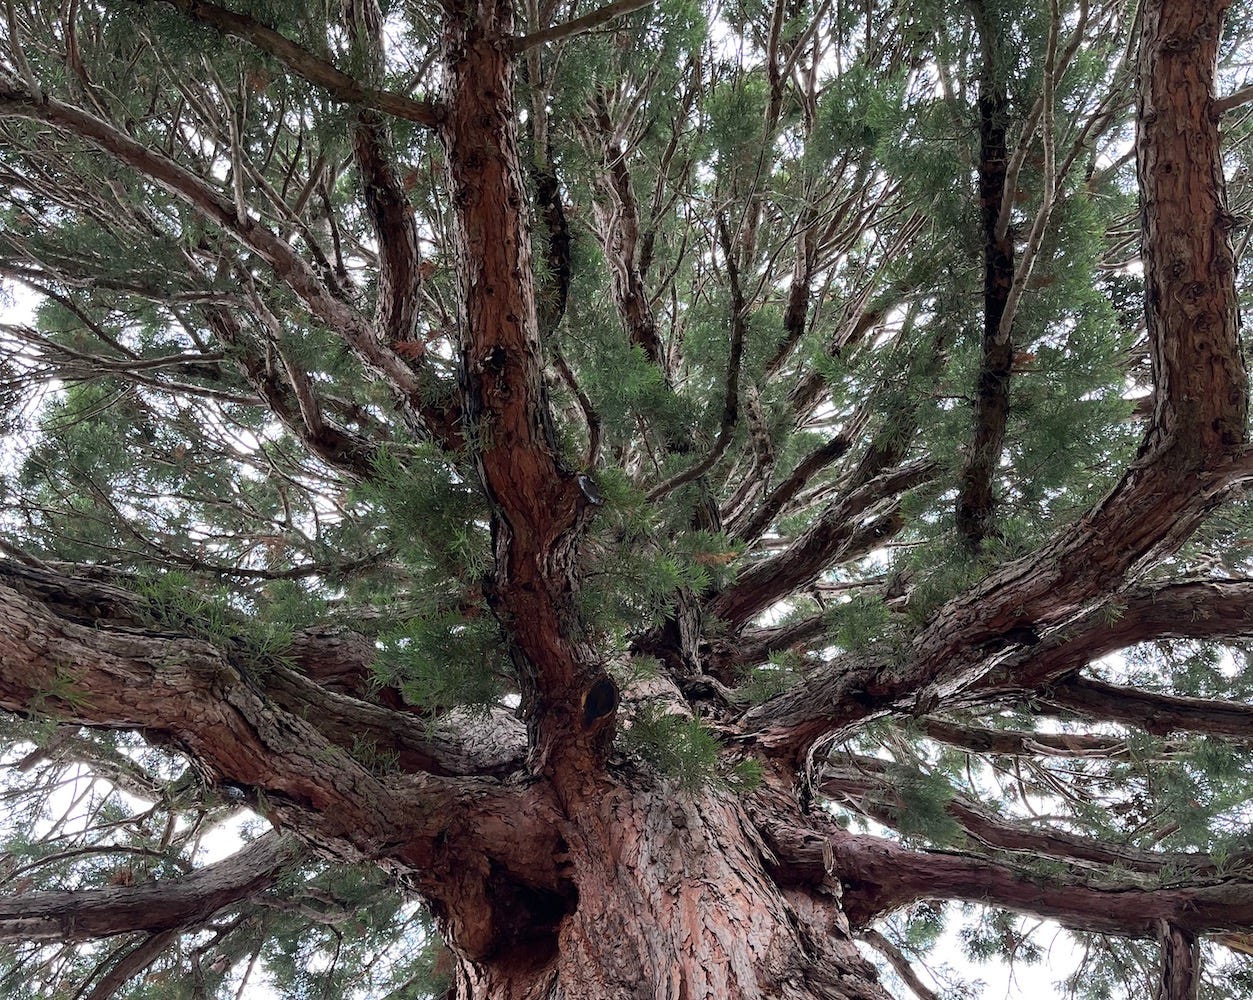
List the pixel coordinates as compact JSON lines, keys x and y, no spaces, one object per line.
{"x":662,"y":499}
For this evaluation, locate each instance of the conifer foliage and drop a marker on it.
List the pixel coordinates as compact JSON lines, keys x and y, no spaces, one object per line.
{"x":659,"y":499}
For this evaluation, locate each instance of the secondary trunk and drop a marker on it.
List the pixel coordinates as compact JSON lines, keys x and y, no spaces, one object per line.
{"x":668,"y":896}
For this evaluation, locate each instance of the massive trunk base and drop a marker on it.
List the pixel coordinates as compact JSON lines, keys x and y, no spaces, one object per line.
{"x":669,"y":898}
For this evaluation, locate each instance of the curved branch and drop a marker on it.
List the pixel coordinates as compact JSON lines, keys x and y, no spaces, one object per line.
{"x":1193,"y":451}
{"x":1193,"y":609}
{"x":330,"y":693}
{"x":166,"y":904}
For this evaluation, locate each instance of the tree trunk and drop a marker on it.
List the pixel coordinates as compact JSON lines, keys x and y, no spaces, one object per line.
{"x":669,"y":898}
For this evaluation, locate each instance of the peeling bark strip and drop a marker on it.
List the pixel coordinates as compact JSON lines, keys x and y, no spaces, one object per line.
{"x":1181,"y":963}
{"x":538,"y":510}
{"x":164,"y":905}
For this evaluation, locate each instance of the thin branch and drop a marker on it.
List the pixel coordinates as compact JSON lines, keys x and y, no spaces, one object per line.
{"x":731,"y":394}
{"x":830,"y":539}
{"x":579,"y":25}
{"x":900,"y":964}
{"x":304,"y":63}
{"x":288,"y":266}
{"x":130,"y":964}
{"x":1234,"y":100}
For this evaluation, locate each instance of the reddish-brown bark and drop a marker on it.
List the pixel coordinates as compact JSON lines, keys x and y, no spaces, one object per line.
{"x":556,"y":868}
{"x":538,"y":508}
{"x":1191,"y":455}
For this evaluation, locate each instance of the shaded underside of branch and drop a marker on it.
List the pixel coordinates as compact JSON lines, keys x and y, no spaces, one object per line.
{"x":166,"y":904}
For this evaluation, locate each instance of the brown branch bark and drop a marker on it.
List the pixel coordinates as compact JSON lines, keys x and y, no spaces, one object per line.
{"x":1196,"y":609}
{"x":188,"y":695}
{"x":334,"y":445}
{"x":879,"y":876}
{"x":538,"y":509}
{"x":166,"y":904}
{"x":620,"y":238}
{"x":1193,"y":450}
{"x":579,"y":25}
{"x":778,"y":498}
{"x":828,"y":540}
{"x":1181,"y":963}
{"x":1015,"y":743}
{"x":305,"y":64}
{"x":976,"y":495}
{"x":133,"y":962}
{"x":329,"y":688}
{"x":1155,"y":713}
{"x":900,"y":964}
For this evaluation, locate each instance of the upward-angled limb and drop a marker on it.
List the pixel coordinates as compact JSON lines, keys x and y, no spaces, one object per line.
{"x":1192,"y":452}
{"x":539,"y":510}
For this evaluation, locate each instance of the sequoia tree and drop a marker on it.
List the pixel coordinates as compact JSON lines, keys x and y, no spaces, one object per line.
{"x":660,"y":497}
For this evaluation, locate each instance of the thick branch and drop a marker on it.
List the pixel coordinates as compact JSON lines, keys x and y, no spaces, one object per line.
{"x":976,"y":496}
{"x":163,"y":905}
{"x":539,"y":509}
{"x":879,"y":876}
{"x":329,"y":689}
{"x":1200,"y":609}
{"x":1155,"y":713}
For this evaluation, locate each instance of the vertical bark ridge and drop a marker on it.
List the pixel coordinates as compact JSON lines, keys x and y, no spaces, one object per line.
{"x":976,"y":496}
{"x":538,"y":507}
